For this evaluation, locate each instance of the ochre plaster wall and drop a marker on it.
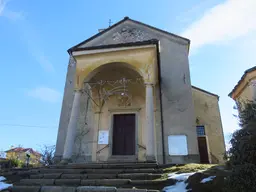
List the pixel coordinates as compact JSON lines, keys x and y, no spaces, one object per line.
{"x":241,"y":90}
{"x":142,"y":60}
{"x":208,"y":113}
{"x":100,"y":118}
{"x":246,"y":94}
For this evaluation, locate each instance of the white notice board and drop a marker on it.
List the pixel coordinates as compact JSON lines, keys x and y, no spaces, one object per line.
{"x":103,"y":137}
{"x":177,"y":145}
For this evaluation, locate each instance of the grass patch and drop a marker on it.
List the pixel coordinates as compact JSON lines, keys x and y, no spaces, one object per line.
{"x":188,"y":168}
{"x":163,"y":177}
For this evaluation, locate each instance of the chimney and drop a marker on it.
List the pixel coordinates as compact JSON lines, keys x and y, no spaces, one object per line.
{"x":100,"y":30}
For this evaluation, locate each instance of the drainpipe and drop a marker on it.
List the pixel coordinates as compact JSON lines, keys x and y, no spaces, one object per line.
{"x":160,"y":89}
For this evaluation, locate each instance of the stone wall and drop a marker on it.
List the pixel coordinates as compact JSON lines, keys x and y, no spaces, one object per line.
{"x":67,"y":102}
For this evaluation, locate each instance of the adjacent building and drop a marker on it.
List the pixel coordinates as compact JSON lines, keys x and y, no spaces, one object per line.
{"x":245,"y":89}
{"x":20,"y":153}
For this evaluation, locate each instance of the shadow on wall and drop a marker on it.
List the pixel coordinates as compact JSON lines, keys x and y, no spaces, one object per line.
{"x":214,"y":159}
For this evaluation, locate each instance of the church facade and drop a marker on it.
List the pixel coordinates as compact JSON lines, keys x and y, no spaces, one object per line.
{"x":128,"y":97}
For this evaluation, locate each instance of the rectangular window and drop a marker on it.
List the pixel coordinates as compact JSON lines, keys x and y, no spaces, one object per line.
{"x":177,"y":145}
{"x":200,"y":130}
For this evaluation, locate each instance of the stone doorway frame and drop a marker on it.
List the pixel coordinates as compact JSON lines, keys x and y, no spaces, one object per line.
{"x":127,"y":110}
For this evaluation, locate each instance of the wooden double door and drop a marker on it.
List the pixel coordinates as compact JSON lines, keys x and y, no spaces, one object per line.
{"x":123,"y":134}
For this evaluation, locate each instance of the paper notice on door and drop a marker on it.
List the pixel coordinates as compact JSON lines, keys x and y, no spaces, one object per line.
{"x":103,"y":138}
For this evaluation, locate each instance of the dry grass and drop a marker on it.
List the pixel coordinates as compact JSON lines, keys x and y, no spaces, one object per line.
{"x":188,"y":168}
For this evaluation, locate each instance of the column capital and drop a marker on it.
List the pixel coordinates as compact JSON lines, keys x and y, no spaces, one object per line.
{"x":149,"y":84}
{"x":78,"y":90}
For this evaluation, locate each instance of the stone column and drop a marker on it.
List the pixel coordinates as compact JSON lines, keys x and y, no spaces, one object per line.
{"x":71,"y":132}
{"x":150,"y":123}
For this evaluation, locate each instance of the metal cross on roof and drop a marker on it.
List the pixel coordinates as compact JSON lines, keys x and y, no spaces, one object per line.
{"x":109,"y":22}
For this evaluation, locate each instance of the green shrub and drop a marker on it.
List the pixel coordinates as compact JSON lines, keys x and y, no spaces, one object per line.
{"x":17,"y":163}
{"x":243,"y":146}
{"x":242,"y":156}
{"x":14,"y":162}
{"x":243,"y":179}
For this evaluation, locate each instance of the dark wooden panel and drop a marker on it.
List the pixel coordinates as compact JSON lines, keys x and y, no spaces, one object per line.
{"x":203,"y":151}
{"x":124,"y":134}
{"x":129,"y":136}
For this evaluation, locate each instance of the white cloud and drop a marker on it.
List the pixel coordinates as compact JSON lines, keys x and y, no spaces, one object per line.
{"x":43,"y":60}
{"x":194,"y":11}
{"x":226,"y":21}
{"x":13,"y":15}
{"x":29,"y":35}
{"x":33,"y":41}
{"x":2,"y":6}
{"x":10,"y":14}
{"x":45,"y":94}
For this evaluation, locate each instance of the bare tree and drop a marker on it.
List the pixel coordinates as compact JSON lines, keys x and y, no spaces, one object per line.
{"x":47,"y":154}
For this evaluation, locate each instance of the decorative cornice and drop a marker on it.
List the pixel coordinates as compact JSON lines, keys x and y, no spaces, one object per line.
{"x":124,"y":109}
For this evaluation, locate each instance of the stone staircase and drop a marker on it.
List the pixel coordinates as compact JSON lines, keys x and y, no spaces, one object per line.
{"x":107,"y":177}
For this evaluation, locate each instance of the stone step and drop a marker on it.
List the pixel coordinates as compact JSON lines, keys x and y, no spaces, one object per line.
{"x":152,"y":184}
{"x":46,"y":176}
{"x":132,"y":166}
{"x":106,"y":182}
{"x":76,"y":182}
{"x":119,"y":183}
{"x":71,"y":171}
{"x":134,"y":176}
{"x":99,"y":171}
{"x":120,"y":159}
{"x":102,"y":171}
{"x":107,"y":165}
{"x":147,"y":170}
{"x":76,"y":189}
{"x":113,"y":176}
{"x":137,"y":176}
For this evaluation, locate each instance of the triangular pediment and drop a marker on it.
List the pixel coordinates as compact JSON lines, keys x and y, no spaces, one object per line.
{"x":128,"y":31}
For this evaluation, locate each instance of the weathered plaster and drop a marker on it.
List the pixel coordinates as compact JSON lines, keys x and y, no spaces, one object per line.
{"x":66,"y":108}
{"x":141,"y":60}
{"x":241,"y":90}
{"x":177,"y":103}
{"x":208,"y":114}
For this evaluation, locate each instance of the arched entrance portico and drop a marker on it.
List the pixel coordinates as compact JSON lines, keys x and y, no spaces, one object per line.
{"x":122,"y":100}
{"x":120,"y":112}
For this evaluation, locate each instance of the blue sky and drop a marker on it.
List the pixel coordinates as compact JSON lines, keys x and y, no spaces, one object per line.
{"x":34,"y":37}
